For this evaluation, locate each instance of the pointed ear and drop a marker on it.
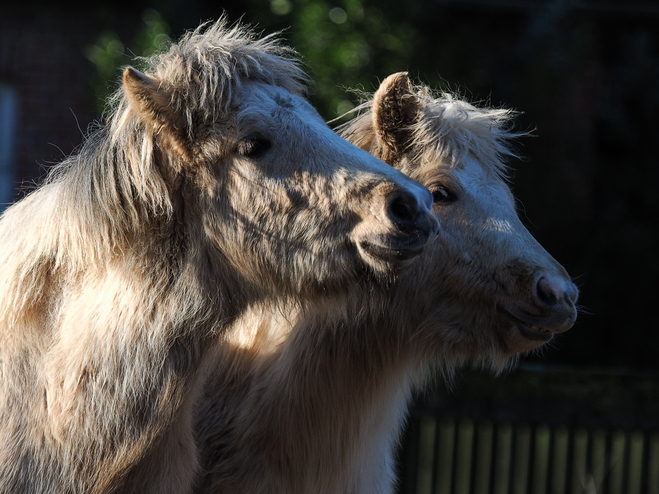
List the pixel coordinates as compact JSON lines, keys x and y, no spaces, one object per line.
{"x":152,"y":105}
{"x":395,"y":108}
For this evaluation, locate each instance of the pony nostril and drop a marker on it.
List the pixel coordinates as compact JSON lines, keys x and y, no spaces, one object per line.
{"x":552,"y":291}
{"x":404,"y":211}
{"x":548,"y":291}
{"x":414,"y":222}
{"x":400,"y":209}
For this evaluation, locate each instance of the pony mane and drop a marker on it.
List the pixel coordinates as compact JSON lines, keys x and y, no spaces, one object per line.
{"x":114,"y":182}
{"x":449,"y":128}
{"x":203,"y":70}
{"x":121,"y":183}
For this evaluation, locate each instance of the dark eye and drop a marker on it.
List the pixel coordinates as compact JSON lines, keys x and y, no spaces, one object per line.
{"x":253,"y":147}
{"x":441,"y":194}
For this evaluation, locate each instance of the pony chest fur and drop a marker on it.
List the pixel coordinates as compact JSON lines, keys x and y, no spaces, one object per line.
{"x":316,"y":405}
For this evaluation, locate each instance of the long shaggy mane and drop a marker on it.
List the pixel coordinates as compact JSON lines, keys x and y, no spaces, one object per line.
{"x":99,"y":202}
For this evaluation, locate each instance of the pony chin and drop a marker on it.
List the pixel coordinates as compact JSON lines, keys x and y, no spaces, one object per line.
{"x":386,"y":262}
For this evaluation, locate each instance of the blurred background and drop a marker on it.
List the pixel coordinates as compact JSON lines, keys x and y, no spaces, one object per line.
{"x":583,"y":73}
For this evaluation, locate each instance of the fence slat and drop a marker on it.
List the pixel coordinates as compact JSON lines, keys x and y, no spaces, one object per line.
{"x":542,"y":460}
{"x":445,"y":456}
{"x":463,"y":461}
{"x":653,"y":465}
{"x":483,"y":456}
{"x":559,"y":474}
{"x":536,"y":431}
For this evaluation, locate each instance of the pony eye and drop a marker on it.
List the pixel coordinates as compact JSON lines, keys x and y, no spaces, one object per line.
{"x":441,"y":195}
{"x":254,"y":147}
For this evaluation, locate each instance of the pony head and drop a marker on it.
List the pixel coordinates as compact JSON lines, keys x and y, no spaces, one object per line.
{"x":217,"y":134}
{"x":486,"y":289}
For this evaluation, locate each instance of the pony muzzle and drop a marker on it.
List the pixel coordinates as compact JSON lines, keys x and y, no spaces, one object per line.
{"x":550,"y":311}
{"x":394,"y":233}
{"x":411,"y":214}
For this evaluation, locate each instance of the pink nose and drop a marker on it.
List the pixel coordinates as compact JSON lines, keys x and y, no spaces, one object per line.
{"x":553,"y":290}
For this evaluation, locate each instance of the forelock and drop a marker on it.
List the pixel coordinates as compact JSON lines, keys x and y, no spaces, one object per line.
{"x":204,"y":70}
{"x":451,"y":128}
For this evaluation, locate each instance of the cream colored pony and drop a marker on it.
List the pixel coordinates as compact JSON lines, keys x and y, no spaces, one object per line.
{"x":314,"y":401}
{"x":213,"y":186}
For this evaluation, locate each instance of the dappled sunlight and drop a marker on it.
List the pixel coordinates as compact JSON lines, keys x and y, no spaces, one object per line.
{"x":498,"y":225}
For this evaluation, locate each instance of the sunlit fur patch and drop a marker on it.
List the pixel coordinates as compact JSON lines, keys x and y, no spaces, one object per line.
{"x":501,"y":226}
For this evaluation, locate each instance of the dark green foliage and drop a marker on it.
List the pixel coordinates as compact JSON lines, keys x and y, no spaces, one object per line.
{"x":347,"y":44}
{"x":109,"y":53}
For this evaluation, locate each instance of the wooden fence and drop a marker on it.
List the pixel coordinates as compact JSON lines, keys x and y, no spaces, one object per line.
{"x":537,"y":430}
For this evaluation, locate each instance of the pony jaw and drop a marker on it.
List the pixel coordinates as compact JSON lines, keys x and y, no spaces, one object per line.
{"x":389,"y":258}
{"x":526,"y":331}
{"x":531,"y":332}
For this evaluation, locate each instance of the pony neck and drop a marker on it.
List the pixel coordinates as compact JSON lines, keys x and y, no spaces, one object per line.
{"x":327,"y":394}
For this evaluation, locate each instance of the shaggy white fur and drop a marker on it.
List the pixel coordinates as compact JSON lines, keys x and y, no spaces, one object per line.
{"x":213,"y":186}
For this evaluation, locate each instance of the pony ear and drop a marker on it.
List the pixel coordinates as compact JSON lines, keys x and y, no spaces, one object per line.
{"x":152,"y":105}
{"x":395,"y":109}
